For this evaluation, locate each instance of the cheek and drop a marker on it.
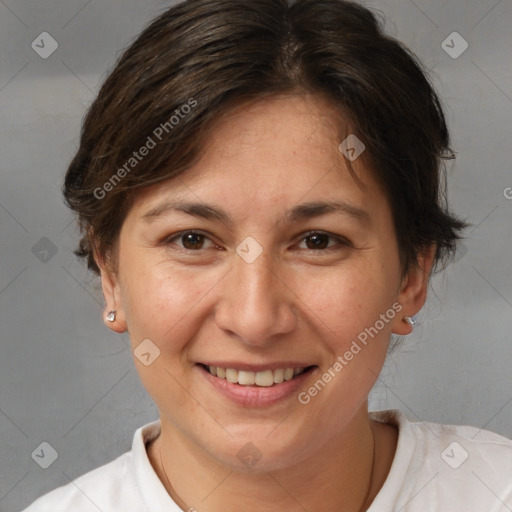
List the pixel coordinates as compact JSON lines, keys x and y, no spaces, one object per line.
{"x":158,"y":298}
{"x":351,"y":295}
{"x":353,"y":313}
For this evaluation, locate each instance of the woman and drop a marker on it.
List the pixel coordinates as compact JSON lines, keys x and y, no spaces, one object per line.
{"x":259,"y":186}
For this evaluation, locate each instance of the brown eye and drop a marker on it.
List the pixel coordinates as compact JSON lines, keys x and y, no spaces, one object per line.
{"x":192,"y":241}
{"x":188,"y":240}
{"x":318,"y":241}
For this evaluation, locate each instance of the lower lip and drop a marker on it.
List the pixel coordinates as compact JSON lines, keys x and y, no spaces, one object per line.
{"x":256,"y":396}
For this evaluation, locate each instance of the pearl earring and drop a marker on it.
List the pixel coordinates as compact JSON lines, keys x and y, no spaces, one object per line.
{"x":111,"y":316}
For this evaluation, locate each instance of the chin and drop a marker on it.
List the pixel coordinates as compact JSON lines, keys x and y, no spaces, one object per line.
{"x":254,"y":450}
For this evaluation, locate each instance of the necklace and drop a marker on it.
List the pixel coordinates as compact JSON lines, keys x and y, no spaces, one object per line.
{"x":183,"y":506}
{"x":172,"y":492}
{"x":371,"y":476}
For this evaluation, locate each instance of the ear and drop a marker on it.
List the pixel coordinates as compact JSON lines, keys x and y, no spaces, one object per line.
{"x":112,"y":295}
{"x":413,"y":291}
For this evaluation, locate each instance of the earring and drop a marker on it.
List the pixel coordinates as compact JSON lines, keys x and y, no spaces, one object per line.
{"x":411,"y":320}
{"x":111,"y":316}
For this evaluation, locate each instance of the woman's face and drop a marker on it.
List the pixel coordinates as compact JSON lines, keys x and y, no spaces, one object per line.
{"x":271,"y":279}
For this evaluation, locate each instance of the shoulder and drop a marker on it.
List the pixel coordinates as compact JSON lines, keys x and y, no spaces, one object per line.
{"x":446,"y":442}
{"x":90,"y":492}
{"x":448,"y":465}
{"x":458,"y":445}
{"x":113,"y":486}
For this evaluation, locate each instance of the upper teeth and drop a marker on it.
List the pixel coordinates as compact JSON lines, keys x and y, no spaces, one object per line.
{"x":264,"y":378}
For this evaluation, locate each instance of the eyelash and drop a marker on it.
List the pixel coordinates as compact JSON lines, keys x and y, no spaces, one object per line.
{"x":343,"y":242}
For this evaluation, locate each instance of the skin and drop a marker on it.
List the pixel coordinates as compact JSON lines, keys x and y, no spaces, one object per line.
{"x":293,"y":303}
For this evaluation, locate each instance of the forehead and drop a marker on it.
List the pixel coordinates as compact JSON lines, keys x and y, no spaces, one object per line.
{"x":286,"y":128}
{"x":279,"y":150}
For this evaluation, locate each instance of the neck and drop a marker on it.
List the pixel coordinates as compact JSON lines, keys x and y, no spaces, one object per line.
{"x":344,"y":475}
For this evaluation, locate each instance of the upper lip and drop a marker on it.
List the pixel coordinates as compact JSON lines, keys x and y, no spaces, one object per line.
{"x":256,"y":367}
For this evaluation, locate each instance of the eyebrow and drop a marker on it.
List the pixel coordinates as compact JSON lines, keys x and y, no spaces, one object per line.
{"x":298,"y":213}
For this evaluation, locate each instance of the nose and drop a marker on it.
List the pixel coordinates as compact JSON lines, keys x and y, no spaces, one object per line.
{"x":256,"y":304}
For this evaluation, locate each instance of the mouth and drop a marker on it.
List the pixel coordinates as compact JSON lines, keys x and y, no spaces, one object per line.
{"x":265,"y":378}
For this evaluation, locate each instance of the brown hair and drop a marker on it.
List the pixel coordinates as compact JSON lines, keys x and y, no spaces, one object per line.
{"x":202,"y":56}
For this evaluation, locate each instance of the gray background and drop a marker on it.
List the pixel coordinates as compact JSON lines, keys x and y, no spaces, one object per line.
{"x":67,"y":380}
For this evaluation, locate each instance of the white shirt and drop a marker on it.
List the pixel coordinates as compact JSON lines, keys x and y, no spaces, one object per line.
{"x":436,"y":468}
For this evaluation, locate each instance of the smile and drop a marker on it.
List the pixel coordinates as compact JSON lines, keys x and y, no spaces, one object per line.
{"x":253,"y":385}
{"x":264,"y":378}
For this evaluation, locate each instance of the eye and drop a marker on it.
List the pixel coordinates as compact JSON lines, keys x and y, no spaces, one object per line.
{"x":195,"y":241}
{"x":318,"y":241}
{"x":189,"y":240}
